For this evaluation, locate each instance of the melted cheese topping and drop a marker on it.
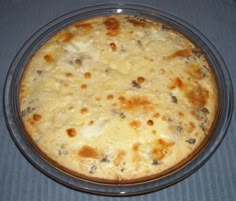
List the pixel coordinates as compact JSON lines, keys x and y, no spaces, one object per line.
{"x":118,"y":97}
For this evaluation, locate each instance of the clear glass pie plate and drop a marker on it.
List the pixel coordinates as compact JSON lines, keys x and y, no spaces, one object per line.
{"x":183,"y":170}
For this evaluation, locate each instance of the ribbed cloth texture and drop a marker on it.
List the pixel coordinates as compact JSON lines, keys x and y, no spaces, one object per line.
{"x":20,"y":181}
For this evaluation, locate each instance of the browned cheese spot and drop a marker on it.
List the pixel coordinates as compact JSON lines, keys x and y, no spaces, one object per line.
{"x":119,"y":157}
{"x":135,"y":124}
{"x":156,"y":115}
{"x":196,"y":115}
{"x":48,"y":58}
{"x":34,"y":119}
{"x":197,"y":95}
{"x":64,"y":37}
{"x":121,"y":98}
{"x":84,"y":110}
{"x":83,"y":86}
{"x":84,"y":27}
{"x":112,"y":25}
{"x":161,"y":148}
{"x":136,"y":23}
{"x":88,"y":152}
{"x":91,"y":123}
{"x":68,"y":74}
{"x":87,"y":75}
{"x":136,"y":103}
{"x":37,"y":117}
{"x":71,"y":132}
{"x":140,"y":79}
{"x":180,"y":114}
{"x":113,"y":47}
{"x":195,"y":71}
{"x":110,"y":97}
{"x":165,"y":118}
{"x":31,"y":121}
{"x":150,"y":122}
{"x":135,"y":147}
{"x":191,"y":127}
{"x":176,"y":83}
{"x":180,"y":53}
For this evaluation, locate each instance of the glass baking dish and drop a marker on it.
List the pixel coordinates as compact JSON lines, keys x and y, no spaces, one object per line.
{"x":183,"y":170}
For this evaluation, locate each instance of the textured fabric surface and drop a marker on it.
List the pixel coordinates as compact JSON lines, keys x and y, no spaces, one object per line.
{"x":19,"y":180}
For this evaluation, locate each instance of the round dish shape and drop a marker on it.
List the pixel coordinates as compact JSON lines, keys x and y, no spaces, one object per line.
{"x":134,"y":185}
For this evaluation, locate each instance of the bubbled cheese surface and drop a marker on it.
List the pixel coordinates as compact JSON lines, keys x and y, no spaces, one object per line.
{"x":118,"y":97}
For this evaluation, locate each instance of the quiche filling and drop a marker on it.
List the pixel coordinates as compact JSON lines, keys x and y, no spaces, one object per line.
{"x":118,"y":97}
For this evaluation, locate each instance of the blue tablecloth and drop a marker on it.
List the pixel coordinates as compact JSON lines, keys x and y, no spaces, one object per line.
{"x":19,"y":180}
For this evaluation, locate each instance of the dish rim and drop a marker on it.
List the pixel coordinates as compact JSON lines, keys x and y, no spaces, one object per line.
{"x":33,"y":43}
